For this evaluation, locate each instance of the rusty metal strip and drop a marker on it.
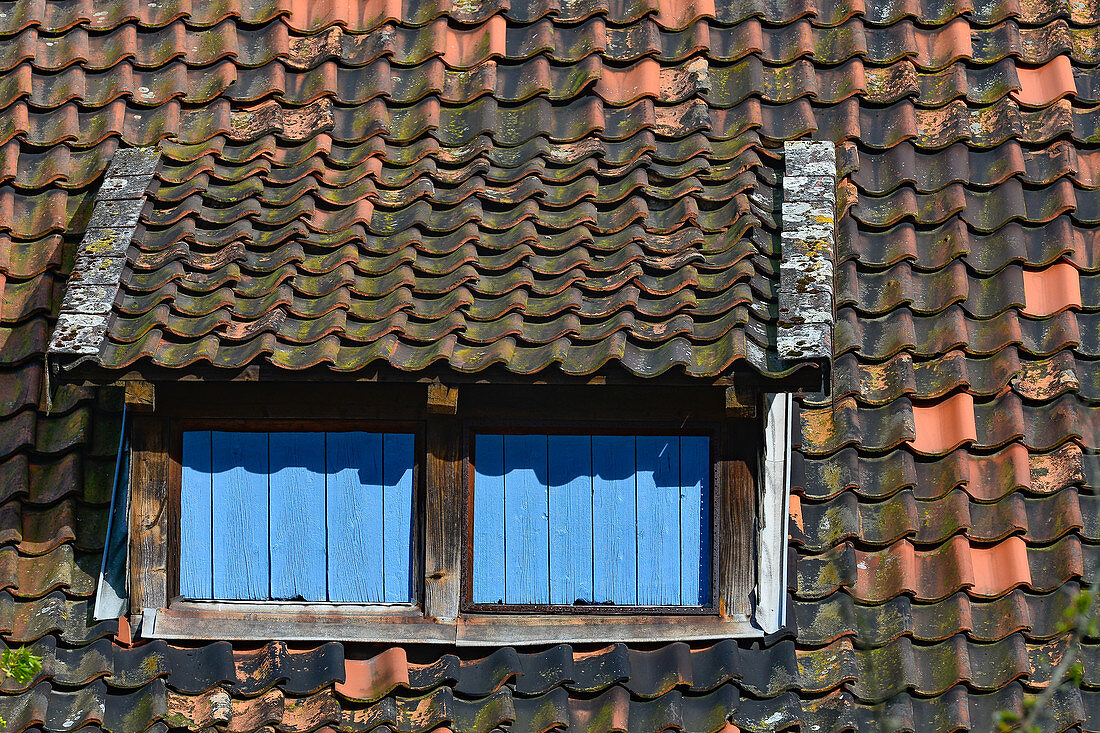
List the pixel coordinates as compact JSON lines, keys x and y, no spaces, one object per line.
{"x":808,"y":243}
{"x":100,"y":260}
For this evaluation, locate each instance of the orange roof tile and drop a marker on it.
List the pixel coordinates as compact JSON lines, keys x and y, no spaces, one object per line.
{"x":993,"y":476}
{"x":1052,"y":289}
{"x":629,"y":84}
{"x":796,"y":512}
{"x":1042,"y":85}
{"x":945,"y":425}
{"x":678,"y":14}
{"x":370,"y":679}
{"x":1000,"y":568}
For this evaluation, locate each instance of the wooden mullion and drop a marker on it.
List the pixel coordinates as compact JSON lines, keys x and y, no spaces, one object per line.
{"x":443,"y":516}
{"x":149,"y":513}
{"x":735,"y":507}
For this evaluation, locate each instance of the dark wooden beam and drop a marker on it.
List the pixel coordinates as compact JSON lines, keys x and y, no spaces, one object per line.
{"x":740,"y":402}
{"x":736,"y":507}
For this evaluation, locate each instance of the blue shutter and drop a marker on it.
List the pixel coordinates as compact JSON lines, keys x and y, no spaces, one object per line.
{"x":301,"y":516}
{"x":596,"y":519}
{"x":355,"y":513}
{"x":297,"y":516}
{"x":488,"y":575}
{"x":657,"y":472}
{"x":239,"y":495}
{"x":526,"y":529}
{"x":570,"y":479}
{"x":397,"y":509}
{"x":614,"y":519}
{"x":196,"y":560}
{"x":695,"y":521}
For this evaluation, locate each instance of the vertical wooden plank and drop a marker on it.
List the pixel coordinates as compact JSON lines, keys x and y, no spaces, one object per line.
{"x":196,"y":562}
{"x":526,"y":526}
{"x":397,"y":502}
{"x":658,"y":527}
{"x":488,"y":551}
{"x":614,"y":541}
{"x":355,"y":517}
{"x":240,"y":494}
{"x":445,"y":516}
{"x":695,"y":543}
{"x":149,"y":514}
{"x":736,"y":507}
{"x":298,"y":544}
{"x":570,"y":478}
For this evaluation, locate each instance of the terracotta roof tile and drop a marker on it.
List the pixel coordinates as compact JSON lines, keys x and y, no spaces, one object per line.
{"x":1052,"y":289}
{"x":944,"y":426}
{"x":1042,"y":85}
{"x":1000,"y":567}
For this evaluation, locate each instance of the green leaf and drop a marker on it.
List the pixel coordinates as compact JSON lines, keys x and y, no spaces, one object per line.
{"x":20,"y":664}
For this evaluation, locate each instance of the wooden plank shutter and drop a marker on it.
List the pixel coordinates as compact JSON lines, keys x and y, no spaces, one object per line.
{"x":241,"y":555}
{"x":297,"y":516}
{"x":614,"y":521}
{"x":560,"y":519}
{"x":355,"y":507}
{"x":570,"y":489}
{"x":196,"y":524}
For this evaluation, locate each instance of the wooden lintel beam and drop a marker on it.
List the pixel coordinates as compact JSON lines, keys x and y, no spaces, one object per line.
{"x":442,"y":399}
{"x":740,"y":402}
{"x":140,"y":397}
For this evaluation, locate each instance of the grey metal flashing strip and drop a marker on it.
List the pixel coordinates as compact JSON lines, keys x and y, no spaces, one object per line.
{"x":808,"y":243}
{"x":90,"y":294}
{"x":770,"y":613}
{"x":111,"y":597}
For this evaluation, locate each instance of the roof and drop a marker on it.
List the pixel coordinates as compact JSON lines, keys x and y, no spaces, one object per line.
{"x":945,"y":505}
{"x":531,"y":187}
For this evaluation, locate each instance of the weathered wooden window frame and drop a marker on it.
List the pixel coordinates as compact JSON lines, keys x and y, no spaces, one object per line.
{"x":749,"y":516}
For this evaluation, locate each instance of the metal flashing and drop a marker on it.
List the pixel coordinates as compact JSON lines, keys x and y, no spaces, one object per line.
{"x":771,"y":538}
{"x":112,"y":596}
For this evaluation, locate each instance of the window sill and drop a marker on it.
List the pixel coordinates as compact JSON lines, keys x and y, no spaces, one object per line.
{"x":407,"y":625}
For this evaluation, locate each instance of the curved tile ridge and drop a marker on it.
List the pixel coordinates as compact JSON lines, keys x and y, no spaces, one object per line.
{"x":90,"y":293}
{"x":808,"y":243}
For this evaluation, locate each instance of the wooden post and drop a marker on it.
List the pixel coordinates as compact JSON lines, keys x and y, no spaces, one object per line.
{"x":149,"y":509}
{"x":736,"y":507}
{"x":443,"y":522}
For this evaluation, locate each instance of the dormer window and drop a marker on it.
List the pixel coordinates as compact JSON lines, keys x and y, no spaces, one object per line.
{"x":663,"y":344}
{"x":376,"y":513}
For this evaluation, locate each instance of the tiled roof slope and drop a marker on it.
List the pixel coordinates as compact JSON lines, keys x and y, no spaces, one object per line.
{"x":527,"y":186}
{"x":945,"y":502}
